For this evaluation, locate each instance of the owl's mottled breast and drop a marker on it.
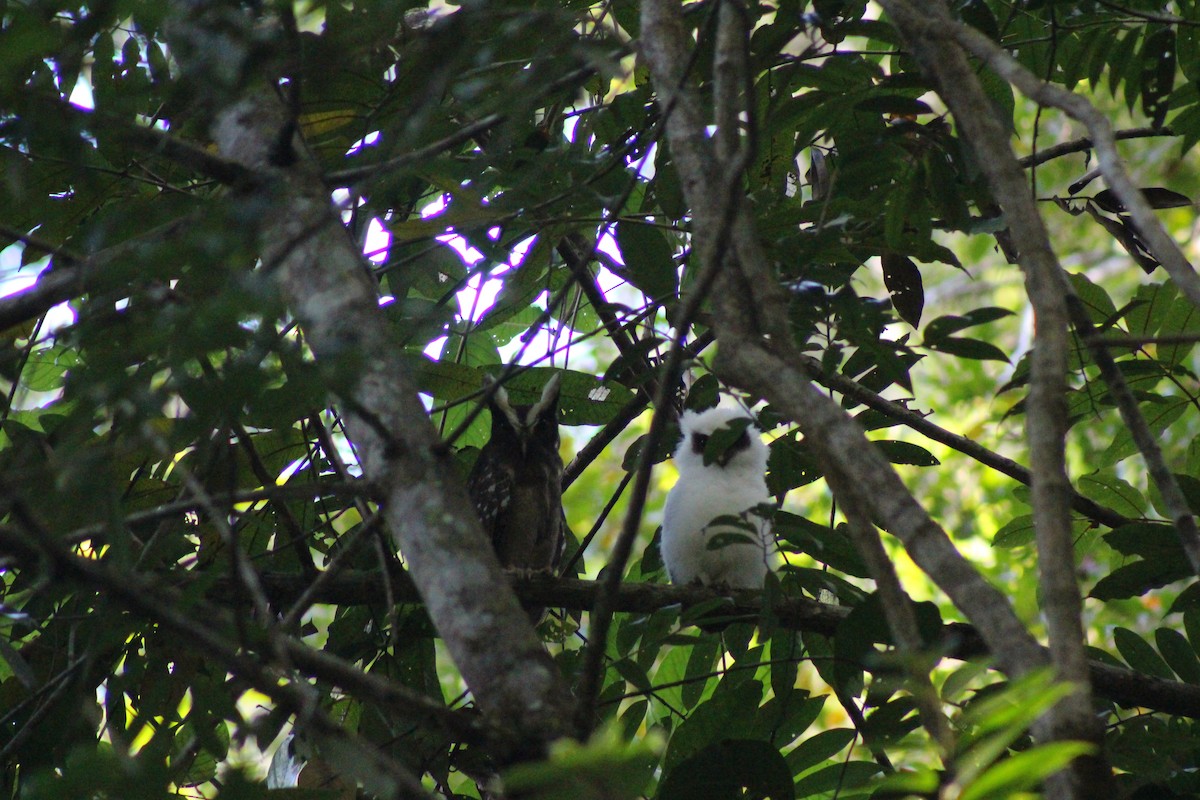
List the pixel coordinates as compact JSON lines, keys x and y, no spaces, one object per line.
{"x":516,"y":482}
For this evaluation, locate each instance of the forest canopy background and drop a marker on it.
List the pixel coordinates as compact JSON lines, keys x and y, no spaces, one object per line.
{"x":263,"y":254}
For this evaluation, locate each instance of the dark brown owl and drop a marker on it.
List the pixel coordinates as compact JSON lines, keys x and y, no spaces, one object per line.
{"x":516,"y":483}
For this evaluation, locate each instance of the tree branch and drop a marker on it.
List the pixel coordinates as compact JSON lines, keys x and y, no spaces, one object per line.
{"x":1084,"y":144}
{"x":765,"y":363}
{"x":70,"y":275}
{"x":131,"y":590}
{"x":902,"y":622}
{"x":1158,"y":241}
{"x":968,"y":447}
{"x":425,"y":504}
{"x":958,"y":641}
{"x":1046,"y":417}
{"x":1147,"y":444}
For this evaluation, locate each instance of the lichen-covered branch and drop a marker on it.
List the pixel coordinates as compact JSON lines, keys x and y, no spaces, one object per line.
{"x":1046,"y":412}
{"x":425,"y":504}
{"x":766,"y":363}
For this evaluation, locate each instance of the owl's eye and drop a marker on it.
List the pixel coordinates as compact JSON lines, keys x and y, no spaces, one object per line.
{"x":699,"y":442}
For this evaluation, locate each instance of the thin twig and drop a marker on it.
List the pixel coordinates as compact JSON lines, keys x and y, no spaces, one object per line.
{"x":710,"y":264}
{"x":1176,"y":504}
{"x":245,"y":572}
{"x":1159,"y":243}
{"x":969,"y":447}
{"x":133,"y":592}
{"x":1084,"y":144}
{"x":288,"y":491}
{"x":349,"y":545}
{"x":901,"y":620}
{"x":608,"y":507}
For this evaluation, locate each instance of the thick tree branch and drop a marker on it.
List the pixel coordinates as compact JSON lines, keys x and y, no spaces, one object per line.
{"x":960,"y":641}
{"x":425,"y":503}
{"x":767,"y":365}
{"x":873,"y":484}
{"x":1046,"y":416}
{"x":757,"y":353}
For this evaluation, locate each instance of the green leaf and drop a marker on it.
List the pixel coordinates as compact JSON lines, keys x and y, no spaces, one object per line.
{"x":915,"y":781}
{"x":1158,"y":62}
{"x":903,"y":282}
{"x":582,"y":399}
{"x":1155,"y":540}
{"x":968,"y":348}
{"x":943,"y":327}
{"x":1187,"y":124}
{"x":46,"y":366}
{"x":1191,"y":625}
{"x":1152,"y":303}
{"x":1024,"y":771}
{"x":696,"y":674}
{"x":1137,"y":578}
{"x":841,"y":778}
{"x":606,"y":765}
{"x":991,"y":724}
{"x":503,"y":331}
{"x":1179,"y":654}
{"x":1180,"y":319}
{"x":1138,"y":653}
{"x":1017,"y":532}
{"x":1000,"y":92}
{"x":790,"y":464}
{"x":816,"y":749}
{"x":729,"y":769}
{"x":1186,"y":602}
{"x":1099,"y":305}
{"x":1109,"y":490}
{"x":905,"y":453}
{"x":893,"y":104}
{"x":825,"y":544}
{"x":1013,"y":708}
{"x":648,"y":259}
{"x":786,"y":719}
{"x":1159,"y":414}
{"x":729,"y":538}
{"x":724,"y":716}
{"x":724,"y":438}
{"x":469,"y":349}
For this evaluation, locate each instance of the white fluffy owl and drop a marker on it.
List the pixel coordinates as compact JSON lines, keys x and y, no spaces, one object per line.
{"x":700,"y":541}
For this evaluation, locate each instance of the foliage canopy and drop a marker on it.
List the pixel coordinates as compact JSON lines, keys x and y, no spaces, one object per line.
{"x":230,"y":489}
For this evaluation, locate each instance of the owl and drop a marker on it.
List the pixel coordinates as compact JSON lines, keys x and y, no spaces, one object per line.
{"x":713,"y":532}
{"x":516,"y":483}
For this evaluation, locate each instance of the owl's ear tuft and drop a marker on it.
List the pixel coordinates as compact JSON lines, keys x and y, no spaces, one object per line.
{"x":549,"y":400}
{"x":499,"y":395}
{"x":549,"y":393}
